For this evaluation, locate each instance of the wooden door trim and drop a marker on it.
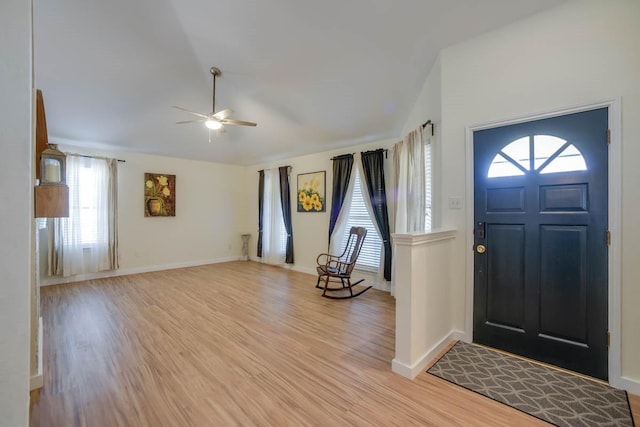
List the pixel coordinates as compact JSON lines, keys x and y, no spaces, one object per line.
{"x":614,"y":202}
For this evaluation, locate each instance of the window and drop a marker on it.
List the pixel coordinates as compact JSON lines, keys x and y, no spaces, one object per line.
{"x":543,"y":153}
{"x":87,"y":206}
{"x":88,"y":182}
{"x":86,"y":241}
{"x":369,"y":258}
{"x":274,"y":236}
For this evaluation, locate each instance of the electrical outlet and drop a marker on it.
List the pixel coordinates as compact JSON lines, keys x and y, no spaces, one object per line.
{"x":455,"y":203}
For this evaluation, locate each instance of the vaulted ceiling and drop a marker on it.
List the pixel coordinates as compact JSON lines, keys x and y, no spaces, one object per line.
{"x":314,"y":75}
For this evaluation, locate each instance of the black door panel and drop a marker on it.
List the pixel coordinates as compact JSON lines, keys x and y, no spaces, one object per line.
{"x":540,"y":284}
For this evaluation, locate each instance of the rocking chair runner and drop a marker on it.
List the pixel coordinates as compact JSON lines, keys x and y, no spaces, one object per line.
{"x":338,"y":268}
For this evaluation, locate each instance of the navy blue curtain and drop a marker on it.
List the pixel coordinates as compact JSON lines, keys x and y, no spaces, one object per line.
{"x":285,"y":202}
{"x":373,"y":166}
{"x":260,"y":210}
{"x":342,"y":166}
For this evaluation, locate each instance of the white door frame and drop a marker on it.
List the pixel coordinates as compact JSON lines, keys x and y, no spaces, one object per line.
{"x":614,"y":200}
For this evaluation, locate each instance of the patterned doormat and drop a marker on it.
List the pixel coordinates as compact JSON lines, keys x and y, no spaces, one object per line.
{"x":554,"y":396}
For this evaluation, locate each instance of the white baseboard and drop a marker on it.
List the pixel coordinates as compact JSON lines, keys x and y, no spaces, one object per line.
{"x":135,"y":270}
{"x":371,"y":278}
{"x":37,"y":381}
{"x":631,"y":386}
{"x":304,"y":270}
{"x":412,"y":371}
{"x":377,"y":284}
{"x":293,"y":267}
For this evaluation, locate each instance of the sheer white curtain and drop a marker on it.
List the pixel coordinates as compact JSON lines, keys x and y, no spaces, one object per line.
{"x":409,"y":183}
{"x":86,"y":241}
{"x":112,"y":206}
{"x":274,"y":234}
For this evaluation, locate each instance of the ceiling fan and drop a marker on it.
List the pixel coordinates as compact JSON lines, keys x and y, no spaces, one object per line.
{"x":214,"y":120}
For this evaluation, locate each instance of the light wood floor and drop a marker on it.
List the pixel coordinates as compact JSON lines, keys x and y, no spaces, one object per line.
{"x":235,"y":344}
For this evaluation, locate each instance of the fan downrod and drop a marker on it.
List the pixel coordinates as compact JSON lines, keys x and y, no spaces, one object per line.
{"x":215,"y":72}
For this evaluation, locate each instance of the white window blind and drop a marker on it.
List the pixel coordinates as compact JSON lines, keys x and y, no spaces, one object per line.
{"x":369,"y":258}
{"x":427,"y":187}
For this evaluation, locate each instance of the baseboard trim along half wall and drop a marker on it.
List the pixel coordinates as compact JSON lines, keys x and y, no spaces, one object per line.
{"x":412,"y":371}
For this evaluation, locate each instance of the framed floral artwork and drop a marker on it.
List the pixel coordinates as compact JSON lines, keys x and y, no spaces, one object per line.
{"x":159,"y":194}
{"x":311,"y":192}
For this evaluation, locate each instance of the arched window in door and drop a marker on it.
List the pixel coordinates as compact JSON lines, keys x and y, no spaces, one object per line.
{"x":542,"y":153}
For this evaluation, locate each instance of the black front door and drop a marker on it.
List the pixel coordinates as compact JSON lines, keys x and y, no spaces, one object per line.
{"x":540,"y":252}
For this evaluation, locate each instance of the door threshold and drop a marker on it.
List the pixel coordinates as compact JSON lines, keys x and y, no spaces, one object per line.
{"x":546,"y":365}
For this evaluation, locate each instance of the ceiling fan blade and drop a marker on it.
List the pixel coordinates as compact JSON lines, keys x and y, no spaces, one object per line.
{"x":223,"y":114}
{"x":204,"y":116}
{"x":190,"y":121}
{"x":237,"y":122}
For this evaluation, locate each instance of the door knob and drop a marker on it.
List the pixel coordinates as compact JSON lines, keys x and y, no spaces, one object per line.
{"x":481,"y":249}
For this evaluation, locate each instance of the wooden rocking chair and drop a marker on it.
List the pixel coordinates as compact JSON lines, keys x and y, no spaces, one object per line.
{"x":338,"y":268}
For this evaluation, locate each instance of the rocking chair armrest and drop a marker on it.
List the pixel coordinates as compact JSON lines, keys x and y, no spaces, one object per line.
{"x":327,"y":259}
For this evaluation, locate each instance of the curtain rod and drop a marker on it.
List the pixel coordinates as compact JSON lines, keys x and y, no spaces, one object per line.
{"x":427,"y":123}
{"x":287,"y":166}
{"x":92,"y":157}
{"x":341,"y":155}
{"x":386,"y":150}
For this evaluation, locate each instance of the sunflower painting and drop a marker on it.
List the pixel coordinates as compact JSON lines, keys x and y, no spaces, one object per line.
{"x":311,"y":192}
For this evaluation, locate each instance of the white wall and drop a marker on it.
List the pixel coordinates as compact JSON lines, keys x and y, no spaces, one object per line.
{"x":310,"y":230}
{"x":15,"y":209}
{"x":578,"y":53}
{"x":428,"y":105}
{"x":210,"y":212}
{"x":215,"y":204}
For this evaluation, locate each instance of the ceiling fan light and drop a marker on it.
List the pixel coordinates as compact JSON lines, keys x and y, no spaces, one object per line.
{"x":213,"y":124}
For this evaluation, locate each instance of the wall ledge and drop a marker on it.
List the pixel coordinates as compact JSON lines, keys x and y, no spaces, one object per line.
{"x":415,"y":239}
